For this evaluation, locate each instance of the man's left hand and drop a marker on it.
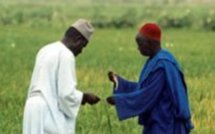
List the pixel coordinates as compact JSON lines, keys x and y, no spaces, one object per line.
{"x":110,"y":100}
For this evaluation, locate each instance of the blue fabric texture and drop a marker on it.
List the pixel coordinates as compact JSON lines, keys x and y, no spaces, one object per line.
{"x":159,"y":98}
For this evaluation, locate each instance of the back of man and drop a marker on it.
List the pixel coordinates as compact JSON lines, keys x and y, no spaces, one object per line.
{"x":53,"y":100}
{"x":46,"y":72}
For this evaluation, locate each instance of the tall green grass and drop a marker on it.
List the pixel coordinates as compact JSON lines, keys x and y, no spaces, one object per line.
{"x":110,"y":49}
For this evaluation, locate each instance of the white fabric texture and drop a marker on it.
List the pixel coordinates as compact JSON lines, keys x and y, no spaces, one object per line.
{"x":56,"y":108}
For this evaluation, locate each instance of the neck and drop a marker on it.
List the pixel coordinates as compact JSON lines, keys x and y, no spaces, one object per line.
{"x":156,"y":50}
{"x":67,"y":43}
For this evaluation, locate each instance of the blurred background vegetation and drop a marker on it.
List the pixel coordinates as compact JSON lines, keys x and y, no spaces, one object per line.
{"x":112,"y":13}
{"x":188,"y":31}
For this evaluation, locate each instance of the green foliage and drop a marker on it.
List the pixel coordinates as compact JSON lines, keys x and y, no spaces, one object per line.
{"x":26,"y":28}
{"x":108,"y":17}
{"x":208,"y":21}
{"x":127,"y":20}
{"x":176,"y":21}
{"x":10,"y":17}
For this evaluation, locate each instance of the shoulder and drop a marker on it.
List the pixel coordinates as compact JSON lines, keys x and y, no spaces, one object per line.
{"x":165,"y":58}
{"x":165,"y":65}
{"x":50,"y":49}
{"x":65,"y":54}
{"x":55,"y":51}
{"x":164,"y":54}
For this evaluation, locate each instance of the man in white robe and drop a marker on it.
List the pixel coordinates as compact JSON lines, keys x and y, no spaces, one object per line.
{"x":53,"y":100}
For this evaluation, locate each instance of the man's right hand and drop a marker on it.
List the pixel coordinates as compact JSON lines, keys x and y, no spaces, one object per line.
{"x":90,"y":98}
{"x":113,"y":78}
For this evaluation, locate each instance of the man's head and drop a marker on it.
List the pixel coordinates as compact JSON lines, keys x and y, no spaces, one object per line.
{"x":148,"y":39}
{"x":78,"y":35}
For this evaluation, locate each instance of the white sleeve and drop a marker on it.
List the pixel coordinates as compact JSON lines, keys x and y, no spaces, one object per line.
{"x":69,"y":97}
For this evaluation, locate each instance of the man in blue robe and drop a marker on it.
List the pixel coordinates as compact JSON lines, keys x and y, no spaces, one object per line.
{"x":160,"y":97}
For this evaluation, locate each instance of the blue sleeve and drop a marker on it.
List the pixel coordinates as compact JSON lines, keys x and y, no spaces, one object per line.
{"x":179,"y":96}
{"x":142,"y":100}
{"x":124,"y":86}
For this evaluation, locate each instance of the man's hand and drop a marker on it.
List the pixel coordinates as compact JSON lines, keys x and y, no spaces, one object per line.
{"x":90,"y":98}
{"x":112,"y":76}
{"x":110,"y":100}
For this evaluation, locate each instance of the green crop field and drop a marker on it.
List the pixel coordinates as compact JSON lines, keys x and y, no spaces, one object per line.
{"x":26,"y":27}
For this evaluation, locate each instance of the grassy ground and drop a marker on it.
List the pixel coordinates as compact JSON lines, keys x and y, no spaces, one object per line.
{"x":110,"y":49}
